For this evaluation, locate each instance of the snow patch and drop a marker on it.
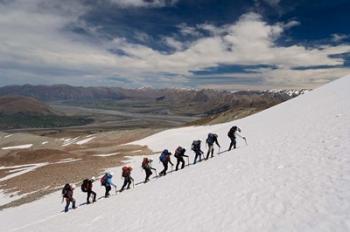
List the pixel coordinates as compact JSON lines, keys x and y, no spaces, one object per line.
{"x":24,"y":146}
{"x":107,"y":155}
{"x":20,"y":170}
{"x":84,"y":141}
{"x":68,"y":160}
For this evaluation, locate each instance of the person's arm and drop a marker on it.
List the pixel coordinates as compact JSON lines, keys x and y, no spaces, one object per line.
{"x":217,"y":142}
{"x":171,"y":162}
{"x":109,"y":180}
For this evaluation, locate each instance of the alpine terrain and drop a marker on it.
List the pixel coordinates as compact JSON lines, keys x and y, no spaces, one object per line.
{"x":292,"y":175}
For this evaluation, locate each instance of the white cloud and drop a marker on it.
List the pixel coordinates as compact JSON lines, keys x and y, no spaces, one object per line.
{"x":290,"y":24}
{"x":173,"y":43}
{"x":144,"y":3}
{"x":42,"y":48}
{"x":339,"y":37}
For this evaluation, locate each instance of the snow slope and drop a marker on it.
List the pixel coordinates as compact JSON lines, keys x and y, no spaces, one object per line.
{"x":293,"y":176}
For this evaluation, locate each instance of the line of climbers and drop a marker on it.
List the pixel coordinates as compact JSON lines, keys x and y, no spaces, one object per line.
{"x":106,"y":180}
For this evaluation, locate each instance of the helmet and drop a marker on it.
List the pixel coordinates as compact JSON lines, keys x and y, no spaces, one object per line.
{"x":93,"y":178}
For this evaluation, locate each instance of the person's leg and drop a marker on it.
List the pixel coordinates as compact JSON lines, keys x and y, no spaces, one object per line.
{"x":88,"y":197}
{"x":67,"y":204}
{"x":73,"y":202}
{"x":212,"y":151}
{"x":183,"y":162}
{"x":234,"y":143}
{"x":165,"y":168}
{"x":195,"y":157}
{"x":108,"y":188}
{"x":208,"y":153}
{"x":94,"y":196}
{"x":129,"y":182}
{"x":177,"y":163}
{"x":163,"y":171}
{"x":231,"y":144}
{"x":124,"y":184}
{"x":148,"y":174}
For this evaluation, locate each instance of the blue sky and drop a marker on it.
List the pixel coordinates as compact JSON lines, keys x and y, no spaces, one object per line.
{"x":224,"y":44}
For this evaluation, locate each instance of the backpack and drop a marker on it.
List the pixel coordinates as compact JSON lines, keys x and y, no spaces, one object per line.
{"x":66,"y":189}
{"x":126,"y":171}
{"x":84,"y":185}
{"x":179,"y":150}
{"x":164,"y":156}
{"x":104,"y":180}
{"x":196,"y":145}
{"x":145,"y":163}
{"x":211,"y":138}
{"x":232,"y":131}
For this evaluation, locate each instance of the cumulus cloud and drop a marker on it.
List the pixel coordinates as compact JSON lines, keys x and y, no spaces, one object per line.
{"x":36,"y":45}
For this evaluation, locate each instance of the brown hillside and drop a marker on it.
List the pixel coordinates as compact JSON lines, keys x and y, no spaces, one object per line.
{"x":10,"y":105}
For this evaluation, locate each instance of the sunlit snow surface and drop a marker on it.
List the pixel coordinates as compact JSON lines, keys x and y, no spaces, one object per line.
{"x":293,"y":176}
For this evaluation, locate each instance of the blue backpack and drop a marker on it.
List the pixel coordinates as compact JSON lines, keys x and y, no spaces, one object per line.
{"x":163,"y":157}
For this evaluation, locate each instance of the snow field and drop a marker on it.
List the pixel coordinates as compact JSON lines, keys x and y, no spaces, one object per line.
{"x":293,"y":176}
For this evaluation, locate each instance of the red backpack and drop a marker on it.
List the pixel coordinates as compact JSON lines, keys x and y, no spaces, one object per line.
{"x":104,"y":180}
{"x":145,"y":163}
{"x":126,"y":171}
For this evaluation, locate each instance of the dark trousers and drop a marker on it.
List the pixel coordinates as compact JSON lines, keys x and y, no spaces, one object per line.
{"x":233,"y":143}
{"x":180,"y":160}
{"x":68,"y":201}
{"x":89,"y":193}
{"x":163,"y":172}
{"x":210,"y":151}
{"x":108,"y":189}
{"x":127,"y":182}
{"x":148,"y":174}
{"x":198,"y":156}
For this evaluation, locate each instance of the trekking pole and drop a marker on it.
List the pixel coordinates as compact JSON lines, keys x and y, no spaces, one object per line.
{"x":244,"y":138}
{"x":133,"y":183}
{"x":188,"y":161}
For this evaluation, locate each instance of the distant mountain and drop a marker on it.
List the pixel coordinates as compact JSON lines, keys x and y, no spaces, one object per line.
{"x":61,"y":92}
{"x":211,"y":106}
{"x":72,"y":93}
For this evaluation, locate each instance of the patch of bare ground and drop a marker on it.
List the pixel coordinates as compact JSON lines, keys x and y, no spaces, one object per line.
{"x":69,"y":164}
{"x":227,"y":116}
